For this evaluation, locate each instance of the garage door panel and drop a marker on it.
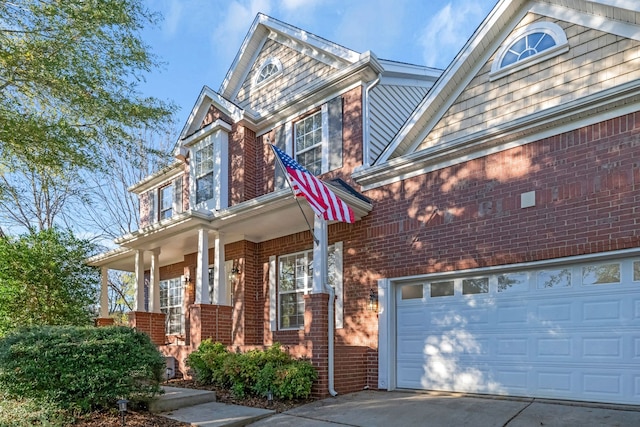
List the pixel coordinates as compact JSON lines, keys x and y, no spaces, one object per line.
{"x":601,"y":347}
{"x":554,"y":382}
{"x":579,"y":342}
{"x":598,"y":311}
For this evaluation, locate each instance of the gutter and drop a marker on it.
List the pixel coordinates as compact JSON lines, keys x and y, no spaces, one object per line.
{"x":365,"y":120}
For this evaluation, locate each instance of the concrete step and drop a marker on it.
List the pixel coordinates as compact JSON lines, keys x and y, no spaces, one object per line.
{"x":215,"y":414}
{"x":176,"y":398}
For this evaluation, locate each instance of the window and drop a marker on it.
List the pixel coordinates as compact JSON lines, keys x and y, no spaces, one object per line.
{"x":171,"y":299}
{"x":166,"y":202}
{"x":475,"y":286}
{"x":269,"y":68}
{"x":636,"y":271}
{"x":554,"y":278}
{"x":601,"y":274}
{"x":442,"y":289}
{"x":412,"y":291}
{"x":295,"y":279}
{"x":509,"y":282}
{"x":527,"y":46}
{"x":308,"y":142}
{"x":204,"y":173}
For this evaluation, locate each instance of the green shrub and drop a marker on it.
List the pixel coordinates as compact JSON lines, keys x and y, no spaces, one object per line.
{"x":80,"y":368}
{"x":253,"y":373}
{"x":206,"y":360}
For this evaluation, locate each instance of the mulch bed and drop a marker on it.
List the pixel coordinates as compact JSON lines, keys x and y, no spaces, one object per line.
{"x":224,"y":396}
{"x":147,"y":419}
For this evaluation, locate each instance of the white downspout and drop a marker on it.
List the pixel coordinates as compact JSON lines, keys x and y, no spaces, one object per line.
{"x":321,"y":279}
{"x":365,"y":121}
{"x":332,"y":300}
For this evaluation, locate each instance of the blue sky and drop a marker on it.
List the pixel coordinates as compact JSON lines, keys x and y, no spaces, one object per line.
{"x":198,"y":39}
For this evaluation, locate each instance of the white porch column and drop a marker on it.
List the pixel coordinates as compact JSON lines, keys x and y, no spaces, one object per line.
{"x":202,"y":268}
{"x":104,"y":293}
{"x":154,"y":282}
{"x":219,"y":279}
{"x":138,"y":299}
{"x":320,"y":262}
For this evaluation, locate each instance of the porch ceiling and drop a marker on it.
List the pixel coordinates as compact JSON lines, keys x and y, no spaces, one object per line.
{"x":264,"y":218}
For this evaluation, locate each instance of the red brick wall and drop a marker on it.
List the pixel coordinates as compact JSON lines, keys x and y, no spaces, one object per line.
{"x":316,"y":322}
{"x":210,"y":321}
{"x":153,"y":324}
{"x":350,"y":368}
{"x":586,"y":202}
{"x":351,"y":142}
{"x":242,"y":165}
{"x":104,"y":321}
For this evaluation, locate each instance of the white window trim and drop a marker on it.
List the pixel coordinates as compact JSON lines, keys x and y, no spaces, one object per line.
{"x":182,"y":315}
{"x":550,"y":28}
{"x":270,"y":60}
{"x":324,"y":142}
{"x":154,"y":206}
{"x":274,"y":295}
{"x":218,"y":138}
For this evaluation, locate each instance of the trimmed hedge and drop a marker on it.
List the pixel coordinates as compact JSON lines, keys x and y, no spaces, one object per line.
{"x":80,"y":368}
{"x":253,"y":373}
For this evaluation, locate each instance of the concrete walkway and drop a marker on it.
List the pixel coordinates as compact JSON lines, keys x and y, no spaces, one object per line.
{"x":380,"y":408}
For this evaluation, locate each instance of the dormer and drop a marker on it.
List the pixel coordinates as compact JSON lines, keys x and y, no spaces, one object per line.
{"x":162,"y":195}
{"x":204,"y":146}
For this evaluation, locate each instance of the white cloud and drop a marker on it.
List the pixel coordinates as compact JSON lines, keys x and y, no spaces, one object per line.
{"x":299,"y":5}
{"x":449,"y":29}
{"x":172,"y":17}
{"x":233,"y":26}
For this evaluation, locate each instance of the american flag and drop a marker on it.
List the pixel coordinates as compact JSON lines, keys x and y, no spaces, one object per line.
{"x":323,"y":201}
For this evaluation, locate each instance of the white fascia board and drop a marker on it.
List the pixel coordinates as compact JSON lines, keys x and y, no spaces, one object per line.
{"x":632,"y":5}
{"x":243,"y":49}
{"x":208,"y":96}
{"x":174,"y":169}
{"x":105,"y":258}
{"x":409,"y":71}
{"x":311,"y":39}
{"x":429,"y":111}
{"x":302,"y":107}
{"x":613,"y":102}
{"x":207,"y":130}
{"x":595,"y":22}
{"x":158,"y":230}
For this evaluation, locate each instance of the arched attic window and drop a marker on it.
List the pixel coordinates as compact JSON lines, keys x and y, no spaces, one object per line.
{"x":527,"y":46}
{"x":270,"y":68}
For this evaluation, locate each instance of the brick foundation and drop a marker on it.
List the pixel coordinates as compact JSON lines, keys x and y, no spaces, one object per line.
{"x":104,"y":321}
{"x":153,"y":324}
{"x":210,"y":321}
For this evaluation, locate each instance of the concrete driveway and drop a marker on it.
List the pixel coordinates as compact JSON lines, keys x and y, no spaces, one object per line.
{"x":380,"y":408}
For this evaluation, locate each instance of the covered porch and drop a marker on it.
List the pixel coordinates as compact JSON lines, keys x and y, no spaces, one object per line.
{"x":210,"y":252}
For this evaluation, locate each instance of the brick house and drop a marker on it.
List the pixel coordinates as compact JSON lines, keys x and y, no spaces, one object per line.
{"x":496,"y":247}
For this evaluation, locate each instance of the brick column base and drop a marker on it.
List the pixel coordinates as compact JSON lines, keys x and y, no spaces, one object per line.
{"x":104,"y":321}
{"x":152,"y":324}
{"x":210,"y":321}
{"x":316,"y":334}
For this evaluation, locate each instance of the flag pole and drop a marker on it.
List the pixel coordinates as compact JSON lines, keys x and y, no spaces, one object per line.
{"x":286,"y":176}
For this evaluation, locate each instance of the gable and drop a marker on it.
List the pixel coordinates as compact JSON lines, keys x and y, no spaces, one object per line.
{"x":595,"y":61}
{"x":298,"y":71}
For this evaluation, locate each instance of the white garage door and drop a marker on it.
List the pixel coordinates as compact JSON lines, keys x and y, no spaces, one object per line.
{"x":561,"y":332}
